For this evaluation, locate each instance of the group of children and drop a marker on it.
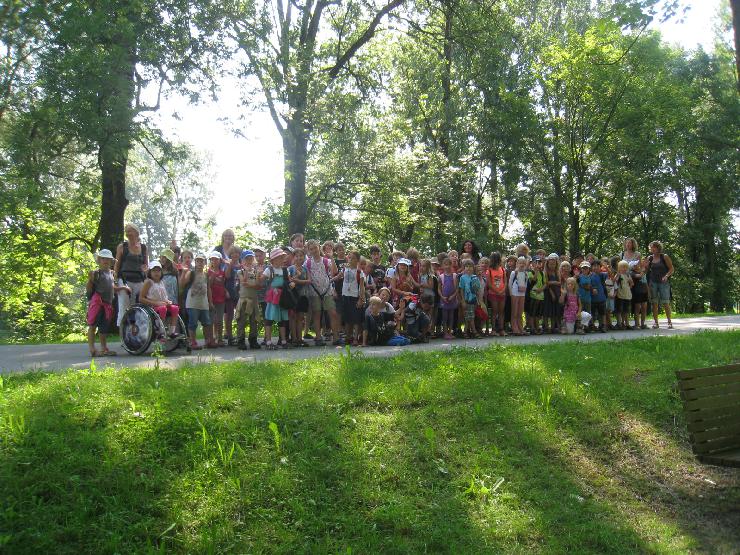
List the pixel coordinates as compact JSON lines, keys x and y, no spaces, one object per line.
{"x":321,"y":292}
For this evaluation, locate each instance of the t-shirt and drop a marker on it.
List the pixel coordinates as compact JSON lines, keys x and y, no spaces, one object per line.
{"x":470,"y":285}
{"x":623,"y":287}
{"x":584,"y":287}
{"x":537,"y":279}
{"x":351,"y":279}
{"x":301,"y":273}
{"x":218,"y":289}
{"x":249,"y":275}
{"x":598,"y":282}
{"x":518,"y":283}
{"x":319,"y":275}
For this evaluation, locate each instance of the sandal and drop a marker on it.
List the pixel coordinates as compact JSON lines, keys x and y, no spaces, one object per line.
{"x":670,"y":325}
{"x":108,"y":353}
{"x":95,"y":353}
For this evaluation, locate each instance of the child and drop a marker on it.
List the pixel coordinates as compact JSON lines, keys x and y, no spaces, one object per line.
{"x":598,"y":295}
{"x":198,"y":302}
{"x":482,"y":271}
{"x":571,"y":306}
{"x":320,"y":270}
{"x":537,"y":283}
{"x":552,"y":295}
{"x":496,"y":292}
{"x":169,"y":275}
{"x":154,"y":295}
{"x":273,"y":275}
{"x":391,"y":272}
{"x":448,"y":300}
{"x":428,"y":284}
{"x":585,"y":287}
{"x":100,"y":290}
{"x":416,"y":316}
{"x":353,"y":298}
{"x":518,"y":289}
{"x":454,"y":257}
{"x":231,"y":284}
{"x":470,"y":290}
{"x":376,"y":269}
{"x":402,"y":282}
{"x":510,"y":267}
{"x":638,"y":273}
{"x":217,"y":284}
{"x":413,"y":255}
{"x":248,"y":307}
{"x":623,"y":285}
{"x":299,"y":281}
{"x":610,"y":292}
{"x":379,"y":325}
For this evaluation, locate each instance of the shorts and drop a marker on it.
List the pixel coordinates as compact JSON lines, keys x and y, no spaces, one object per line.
{"x":196,"y":315}
{"x":586,"y":306}
{"x":610,"y":304}
{"x":494,"y":298}
{"x":660,"y":292}
{"x":622,"y":306}
{"x":536,"y":308}
{"x":351,"y":315}
{"x":316,"y":305}
{"x":217,"y":312}
{"x":470,"y":311}
{"x":98,"y":320}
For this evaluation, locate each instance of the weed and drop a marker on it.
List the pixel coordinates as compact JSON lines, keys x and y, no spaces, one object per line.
{"x":275,"y":435}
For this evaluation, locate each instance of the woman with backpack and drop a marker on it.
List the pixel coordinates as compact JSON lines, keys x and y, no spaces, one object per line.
{"x":659,"y":272}
{"x":131,"y":266}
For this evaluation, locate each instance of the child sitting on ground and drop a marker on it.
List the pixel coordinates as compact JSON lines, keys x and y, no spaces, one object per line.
{"x":380,"y":325}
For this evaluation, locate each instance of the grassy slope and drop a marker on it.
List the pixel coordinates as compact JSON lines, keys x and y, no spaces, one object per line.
{"x":555,"y":448}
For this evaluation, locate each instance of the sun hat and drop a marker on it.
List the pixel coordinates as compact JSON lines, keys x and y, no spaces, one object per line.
{"x":258,"y":248}
{"x":434,"y":260}
{"x":553,"y":256}
{"x":246,"y":253}
{"x":274,"y":253}
{"x":155,"y":264}
{"x":404,"y":261}
{"x":201,"y":256}
{"x":215,"y":254}
{"x":585,"y":264}
{"x":104,"y":253}
{"x":168,"y":254}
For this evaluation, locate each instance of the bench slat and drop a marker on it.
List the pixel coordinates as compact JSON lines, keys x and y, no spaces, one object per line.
{"x":714,"y":391}
{"x":726,"y":458}
{"x":711,"y":371}
{"x":713,"y":402}
{"x":720,"y":444}
{"x":704,"y":413}
{"x":714,"y":422}
{"x":708,"y":381}
{"x":726,"y":430}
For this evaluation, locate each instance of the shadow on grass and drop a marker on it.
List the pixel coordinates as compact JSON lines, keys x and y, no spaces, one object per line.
{"x":392,"y":455}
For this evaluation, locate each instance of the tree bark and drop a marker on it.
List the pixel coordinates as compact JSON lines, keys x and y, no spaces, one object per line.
{"x":295,"y":149}
{"x":113,"y":199}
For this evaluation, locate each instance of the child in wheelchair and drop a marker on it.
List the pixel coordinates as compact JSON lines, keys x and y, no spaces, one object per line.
{"x":154,"y":295}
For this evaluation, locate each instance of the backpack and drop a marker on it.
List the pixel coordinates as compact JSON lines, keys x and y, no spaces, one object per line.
{"x":289,"y":296}
{"x":326,"y":269}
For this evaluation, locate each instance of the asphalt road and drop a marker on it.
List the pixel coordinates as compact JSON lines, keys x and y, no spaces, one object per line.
{"x":25,"y":358}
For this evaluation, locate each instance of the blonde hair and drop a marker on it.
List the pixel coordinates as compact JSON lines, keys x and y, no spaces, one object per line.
{"x":376,"y":301}
{"x":571,"y":281}
{"x":632,"y":241}
{"x":565,"y":265}
{"x":623,"y":265}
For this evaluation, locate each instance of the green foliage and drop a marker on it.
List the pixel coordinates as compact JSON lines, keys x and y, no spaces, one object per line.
{"x":446,"y":451}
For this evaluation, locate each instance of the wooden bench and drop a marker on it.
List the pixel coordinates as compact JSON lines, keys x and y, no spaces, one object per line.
{"x":711,"y":402}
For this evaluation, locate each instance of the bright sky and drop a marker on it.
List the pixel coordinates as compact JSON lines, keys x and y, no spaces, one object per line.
{"x":249,"y":169}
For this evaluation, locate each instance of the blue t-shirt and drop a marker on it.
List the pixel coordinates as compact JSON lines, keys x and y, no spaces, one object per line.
{"x":584,"y":288}
{"x":470,"y":285}
{"x":597,"y":282}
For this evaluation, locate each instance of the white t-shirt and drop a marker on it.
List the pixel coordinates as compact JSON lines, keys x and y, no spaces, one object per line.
{"x":350,"y":286}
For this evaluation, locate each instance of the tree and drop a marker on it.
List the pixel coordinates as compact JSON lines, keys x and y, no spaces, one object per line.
{"x":295,"y":65}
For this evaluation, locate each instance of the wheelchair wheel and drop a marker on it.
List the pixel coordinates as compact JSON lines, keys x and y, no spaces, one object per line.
{"x":182,"y":334}
{"x":138,"y":328}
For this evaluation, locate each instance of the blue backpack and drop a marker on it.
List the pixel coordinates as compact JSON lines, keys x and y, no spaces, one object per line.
{"x":399,"y":341}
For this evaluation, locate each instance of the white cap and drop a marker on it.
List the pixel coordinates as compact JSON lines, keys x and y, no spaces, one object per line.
{"x":104,"y":253}
{"x":404,"y":261}
{"x":215,"y":254}
{"x":201,"y":256}
{"x":155,"y":264}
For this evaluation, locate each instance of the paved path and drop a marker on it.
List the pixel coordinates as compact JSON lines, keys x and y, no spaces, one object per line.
{"x":23,"y":358}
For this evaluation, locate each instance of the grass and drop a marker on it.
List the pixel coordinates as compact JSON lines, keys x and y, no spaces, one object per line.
{"x":553,"y":449}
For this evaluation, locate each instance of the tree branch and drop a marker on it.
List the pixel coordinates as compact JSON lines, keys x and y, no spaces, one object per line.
{"x":364,"y":38}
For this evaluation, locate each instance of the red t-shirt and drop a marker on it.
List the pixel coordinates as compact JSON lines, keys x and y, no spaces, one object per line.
{"x":218,"y":290}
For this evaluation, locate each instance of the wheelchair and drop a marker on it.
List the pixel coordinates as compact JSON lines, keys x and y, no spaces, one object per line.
{"x":141,"y":326}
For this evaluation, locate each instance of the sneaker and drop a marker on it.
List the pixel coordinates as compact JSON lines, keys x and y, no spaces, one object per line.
{"x":307,"y":336}
{"x":338,"y":343}
{"x":318,"y":343}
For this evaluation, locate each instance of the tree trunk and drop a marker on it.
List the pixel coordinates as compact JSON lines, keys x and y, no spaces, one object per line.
{"x":295,"y":155}
{"x":113,"y":199}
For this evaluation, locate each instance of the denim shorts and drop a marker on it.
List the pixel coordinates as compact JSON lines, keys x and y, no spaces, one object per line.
{"x":195,"y":315}
{"x":660,"y":293}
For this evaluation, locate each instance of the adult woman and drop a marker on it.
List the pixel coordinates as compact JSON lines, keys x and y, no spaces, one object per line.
{"x":227,"y":241}
{"x":472,"y":249}
{"x":629,"y":250}
{"x":660,"y":270}
{"x":132,"y":264}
